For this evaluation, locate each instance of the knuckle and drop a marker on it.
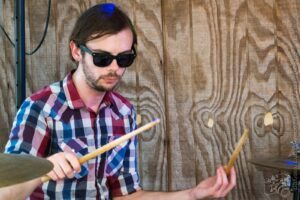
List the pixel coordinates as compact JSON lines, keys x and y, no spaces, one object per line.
{"x":68,"y":172}
{"x":61,"y":176}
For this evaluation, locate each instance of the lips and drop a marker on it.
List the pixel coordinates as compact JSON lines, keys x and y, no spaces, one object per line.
{"x":110,"y":79}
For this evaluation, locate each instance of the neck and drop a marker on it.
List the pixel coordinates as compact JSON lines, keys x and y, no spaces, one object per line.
{"x":89,"y":96}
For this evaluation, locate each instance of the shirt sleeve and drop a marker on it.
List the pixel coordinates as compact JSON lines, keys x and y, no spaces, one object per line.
{"x":126,"y":180}
{"x":29,"y":132}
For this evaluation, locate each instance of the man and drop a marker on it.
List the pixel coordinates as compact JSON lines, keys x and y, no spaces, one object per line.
{"x":81,"y":113}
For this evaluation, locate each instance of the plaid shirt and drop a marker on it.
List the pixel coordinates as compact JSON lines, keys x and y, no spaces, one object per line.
{"x":55,"y":119}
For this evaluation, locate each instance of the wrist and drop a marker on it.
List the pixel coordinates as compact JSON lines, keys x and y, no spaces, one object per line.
{"x":191,"y":194}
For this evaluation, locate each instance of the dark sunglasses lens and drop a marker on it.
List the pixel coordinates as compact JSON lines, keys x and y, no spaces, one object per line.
{"x":125,"y":60}
{"x":102,"y":60}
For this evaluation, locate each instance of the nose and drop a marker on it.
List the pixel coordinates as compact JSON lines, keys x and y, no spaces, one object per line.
{"x":114,"y":65}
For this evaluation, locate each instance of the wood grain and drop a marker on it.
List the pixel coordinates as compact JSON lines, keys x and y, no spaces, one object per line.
{"x":178,"y":84}
{"x":7,"y":72}
{"x":150,"y":91}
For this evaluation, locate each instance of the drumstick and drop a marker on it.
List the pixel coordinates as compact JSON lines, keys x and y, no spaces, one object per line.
{"x":110,"y":145}
{"x":236,"y":152}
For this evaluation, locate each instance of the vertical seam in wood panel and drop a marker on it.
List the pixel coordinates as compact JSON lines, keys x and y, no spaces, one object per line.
{"x":247,"y":45}
{"x":54,"y":18}
{"x":193,"y":67}
{"x":28,"y":46}
{"x":296,"y":135}
{"x":165,"y":75}
{"x":137,"y":90}
{"x":242,"y":195}
{"x":276,"y":63}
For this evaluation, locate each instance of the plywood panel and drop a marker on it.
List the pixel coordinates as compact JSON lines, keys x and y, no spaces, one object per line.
{"x":153,"y":147}
{"x":262,"y":85}
{"x":288,"y":77}
{"x":7,"y":71}
{"x":177,"y":37}
{"x":219,"y":86}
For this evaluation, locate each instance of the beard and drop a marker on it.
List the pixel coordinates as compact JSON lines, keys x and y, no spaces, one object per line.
{"x":94,"y":82}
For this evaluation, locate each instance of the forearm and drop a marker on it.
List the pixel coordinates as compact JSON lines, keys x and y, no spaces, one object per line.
{"x":19,"y":191}
{"x":212,"y":187}
{"x":145,"y":195}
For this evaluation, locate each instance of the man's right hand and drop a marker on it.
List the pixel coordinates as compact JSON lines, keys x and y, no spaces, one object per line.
{"x":65,"y":165}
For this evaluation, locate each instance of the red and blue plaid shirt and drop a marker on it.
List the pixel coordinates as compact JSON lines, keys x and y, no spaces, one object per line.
{"x":55,"y":119}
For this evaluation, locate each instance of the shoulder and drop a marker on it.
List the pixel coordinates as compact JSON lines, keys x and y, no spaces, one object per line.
{"x":47,"y":91}
{"x":43,"y":100}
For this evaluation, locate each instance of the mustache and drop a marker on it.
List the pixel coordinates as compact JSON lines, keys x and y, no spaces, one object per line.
{"x":110,"y":75}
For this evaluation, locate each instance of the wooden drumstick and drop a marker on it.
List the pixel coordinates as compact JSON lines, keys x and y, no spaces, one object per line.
{"x":110,"y":145}
{"x":236,"y":152}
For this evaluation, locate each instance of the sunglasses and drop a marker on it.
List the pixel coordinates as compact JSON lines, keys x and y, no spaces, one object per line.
{"x":104,"y":59}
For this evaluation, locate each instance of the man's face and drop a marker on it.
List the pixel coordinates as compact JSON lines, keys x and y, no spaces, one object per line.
{"x":106,"y":78}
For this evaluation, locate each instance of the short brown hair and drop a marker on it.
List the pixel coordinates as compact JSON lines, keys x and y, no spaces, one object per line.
{"x":99,"y":20}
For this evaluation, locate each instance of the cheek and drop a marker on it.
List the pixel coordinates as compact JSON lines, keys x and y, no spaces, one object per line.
{"x":121,"y":71}
{"x":88,"y":60}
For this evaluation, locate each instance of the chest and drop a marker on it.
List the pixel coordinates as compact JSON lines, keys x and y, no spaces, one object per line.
{"x":82,"y":129}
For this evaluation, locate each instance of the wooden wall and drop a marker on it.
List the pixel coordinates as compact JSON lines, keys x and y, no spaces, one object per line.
{"x":198,"y":60}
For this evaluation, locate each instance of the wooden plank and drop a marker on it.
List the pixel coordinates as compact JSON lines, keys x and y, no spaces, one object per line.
{"x":151,"y":94}
{"x":219,"y":82}
{"x":64,"y":15}
{"x":53,"y":58}
{"x":178,"y":86}
{"x":262,"y":86}
{"x":7,"y":71}
{"x":288,"y":66}
{"x":40,"y":67}
{"x":288,"y":59}
{"x":264,"y":89}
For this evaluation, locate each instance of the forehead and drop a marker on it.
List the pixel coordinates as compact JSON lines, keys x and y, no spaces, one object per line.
{"x":114,"y":43}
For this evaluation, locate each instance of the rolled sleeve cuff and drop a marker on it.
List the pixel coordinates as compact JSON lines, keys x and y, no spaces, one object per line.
{"x":124,"y":184}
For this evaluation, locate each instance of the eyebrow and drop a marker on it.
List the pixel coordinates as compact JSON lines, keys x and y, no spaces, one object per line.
{"x":102,"y":51}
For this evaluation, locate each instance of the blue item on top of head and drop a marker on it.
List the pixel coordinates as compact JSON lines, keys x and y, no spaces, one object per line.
{"x":291,"y":163}
{"x":107,"y":8}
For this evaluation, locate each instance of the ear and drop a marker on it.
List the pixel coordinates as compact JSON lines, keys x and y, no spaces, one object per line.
{"x":75,"y":51}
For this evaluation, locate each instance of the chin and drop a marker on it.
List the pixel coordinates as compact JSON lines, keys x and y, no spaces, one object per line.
{"x":104,"y":89}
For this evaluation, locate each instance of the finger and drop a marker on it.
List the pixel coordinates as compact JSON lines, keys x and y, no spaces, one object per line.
{"x":226,"y":186}
{"x":53,"y":175}
{"x":233,"y":176}
{"x":63,"y":169}
{"x":224,"y":177}
{"x":231,"y":184}
{"x":216,"y":187}
{"x":225,"y":183}
{"x":66,"y":167}
{"x":73,"y":161}
{"x":56,"y":172}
